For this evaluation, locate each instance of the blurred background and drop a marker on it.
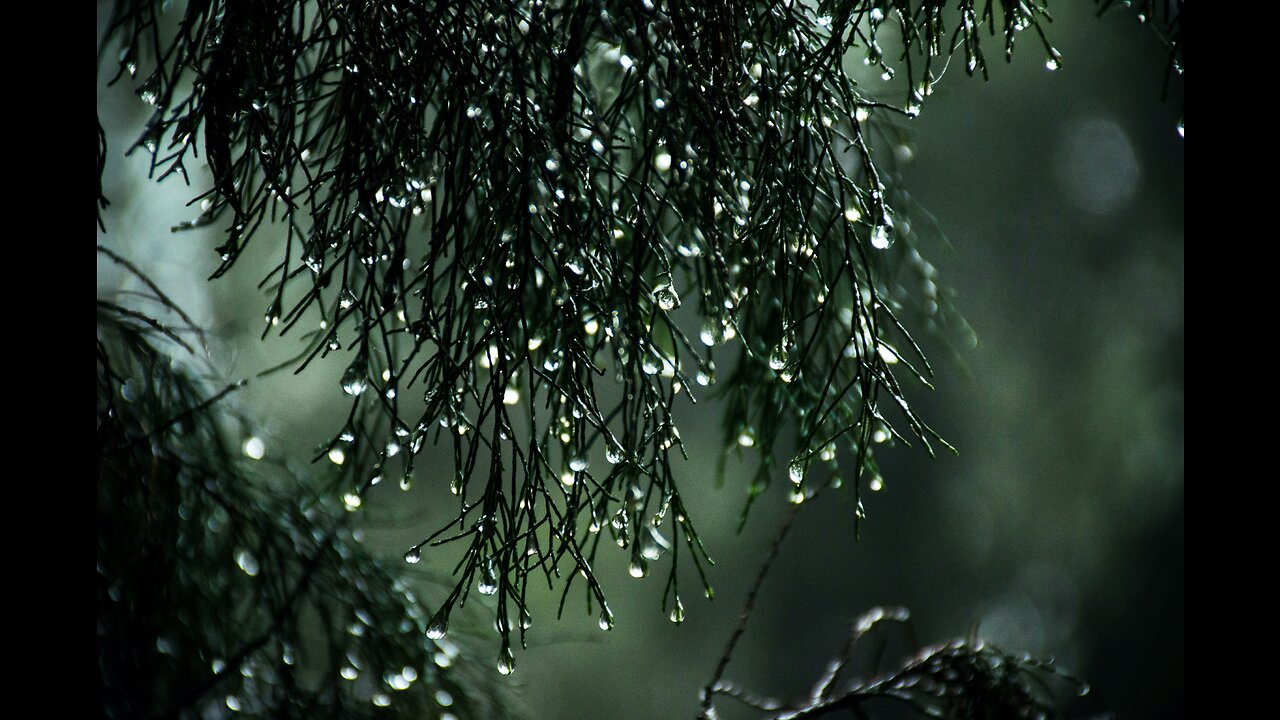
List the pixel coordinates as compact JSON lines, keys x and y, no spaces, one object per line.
{"x":1057,"y":530}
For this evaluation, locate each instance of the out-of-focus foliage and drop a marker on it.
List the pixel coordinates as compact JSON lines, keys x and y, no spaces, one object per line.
{"x":227,"y":587}
{"x":962,"y":679}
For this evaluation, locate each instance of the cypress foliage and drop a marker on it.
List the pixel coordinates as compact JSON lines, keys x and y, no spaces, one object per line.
{"x":506,"y":214}
{"x":530,"y":229}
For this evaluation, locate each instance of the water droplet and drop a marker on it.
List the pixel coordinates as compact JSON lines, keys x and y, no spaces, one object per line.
{"x":677,"y":612}
{"x":247,"y":562}
{"x":667,"y":298}
{"x":413,"y":556}
{"x":639,"y":568}
{"x":746,"y":438}
{"x":880,"y":237}
{"x":796,"y":471}
{"x":351,"y":501}
{"x":381,"y":699}
{"x":778,"y":358}
{"x":852,"y":214}
{"x":398,"y":682}
{"x":552,"y":165}
{"x":336,"y":456}
{"x":708,"y":334}
{"x":233,"y":703}
{"x":652,"y":544}
{"x":349,"y":673}
{"x":706,"y":375}
{"x":876,"y":484}
{"x":254,"y":447}
{"x":506,"y":661}
{"x":438,"y":627}
{"x":662,"y":161}
{"x":488,"y":582}
{"x":578,"y":464}
{"x":606,"y":619}
{"x":353,"y":380}
{"x":1055,"y":60}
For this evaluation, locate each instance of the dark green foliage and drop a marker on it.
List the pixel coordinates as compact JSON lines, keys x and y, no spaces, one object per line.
{"x":223,"y":586}
{"x":511,"y":217}
{"x":962,"y":679}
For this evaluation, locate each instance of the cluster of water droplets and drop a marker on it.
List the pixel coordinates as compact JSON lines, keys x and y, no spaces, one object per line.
{"x":572,"y":272}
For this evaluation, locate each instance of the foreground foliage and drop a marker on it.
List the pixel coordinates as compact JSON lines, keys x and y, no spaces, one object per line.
{"x":508,"y":216}
{"x":226,"y":585}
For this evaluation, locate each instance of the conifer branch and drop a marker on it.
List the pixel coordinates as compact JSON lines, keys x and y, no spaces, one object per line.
{"x":506,"y":217}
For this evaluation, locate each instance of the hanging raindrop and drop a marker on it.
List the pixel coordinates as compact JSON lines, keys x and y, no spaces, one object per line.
{"x":439,"y":626}
{"x":677,"y":612}
{"x":796,"y":471}
{"x":880,"y":237}
{"x":506,"y":660}
{"x":353,"y":380}
{"x":488,"y":582}
{"x":667,"y":298}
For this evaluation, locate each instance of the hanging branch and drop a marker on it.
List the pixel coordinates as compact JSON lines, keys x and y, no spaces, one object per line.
{"x":963,"y":678}
{"x":506,"y":215}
